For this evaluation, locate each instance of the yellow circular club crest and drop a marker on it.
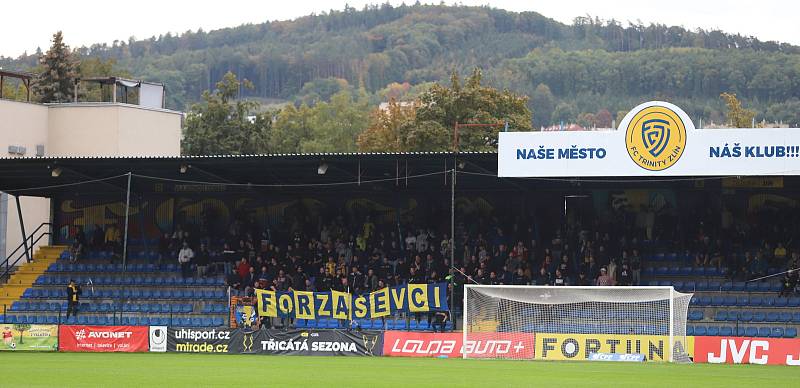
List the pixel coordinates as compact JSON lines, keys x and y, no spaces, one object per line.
{"x":655,"y":138}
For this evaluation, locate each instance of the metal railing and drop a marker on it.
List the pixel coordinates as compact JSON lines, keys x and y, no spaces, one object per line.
{"x":28,"y":243}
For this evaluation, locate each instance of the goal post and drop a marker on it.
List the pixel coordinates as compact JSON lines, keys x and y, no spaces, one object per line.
{"x":571,"y":322}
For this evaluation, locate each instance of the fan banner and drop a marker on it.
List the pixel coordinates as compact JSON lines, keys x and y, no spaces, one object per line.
{"x":479,"y":345}
{"x":341,"y":305}
{"x":307,"y":342}
{"x":747,"y":350}
{"x":654,"y":139}
{"x":29,"y":337}
{"x":103,"y":338}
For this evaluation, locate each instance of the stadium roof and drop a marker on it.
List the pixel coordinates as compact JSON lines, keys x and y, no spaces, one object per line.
{"x":50,"y":176}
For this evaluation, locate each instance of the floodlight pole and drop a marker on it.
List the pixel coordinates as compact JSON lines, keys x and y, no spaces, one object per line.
{"x":127,"y":213}
{"x":457,"y":125}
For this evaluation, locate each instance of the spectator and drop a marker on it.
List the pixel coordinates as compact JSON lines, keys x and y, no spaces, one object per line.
{"x":73,"y":298}
{"x":789,"y":283}
{"x":185,"y":256}
{"x":98,"y":237}
{"x":439,"y":321}
{"x":519,"y":278}
{"x":543,"y":278}
{"x":583,"y":280}
{"x":636,"y":268}
{"x":559,"y":279}
{"x":202,"y":259}
{"x":604,"y":279}
{"x":625,"y":277}
{"x":243,"y":268}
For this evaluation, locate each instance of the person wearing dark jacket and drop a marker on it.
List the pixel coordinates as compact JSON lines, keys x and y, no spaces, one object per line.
{"x":73,"y":296}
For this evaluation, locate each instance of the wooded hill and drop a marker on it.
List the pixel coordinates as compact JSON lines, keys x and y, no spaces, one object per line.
{"x":569,"y":71}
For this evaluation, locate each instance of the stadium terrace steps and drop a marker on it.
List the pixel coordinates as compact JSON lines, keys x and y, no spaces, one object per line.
{"x":27,"y":273}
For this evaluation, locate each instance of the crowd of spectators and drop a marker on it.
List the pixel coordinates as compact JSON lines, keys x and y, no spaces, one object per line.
{"x":361,"y":255}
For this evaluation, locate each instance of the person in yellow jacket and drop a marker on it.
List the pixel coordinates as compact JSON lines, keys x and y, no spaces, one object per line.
{"x":73,"y":296}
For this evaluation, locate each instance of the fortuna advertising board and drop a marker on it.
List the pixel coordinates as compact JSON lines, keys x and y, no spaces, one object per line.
{"x":103,"y":338}
{"x":654,"y":139}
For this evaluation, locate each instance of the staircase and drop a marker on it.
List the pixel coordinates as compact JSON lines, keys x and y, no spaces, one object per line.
{"x":27,"y":273}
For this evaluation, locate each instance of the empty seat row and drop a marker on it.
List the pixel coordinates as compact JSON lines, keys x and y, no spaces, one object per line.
{"x":61,"y":293}
{"x":757,"y":316}
{"x":214,"y":309}
{"x":741,"y":331}
{"x":158,"y":308}
{"x":745,"y":301}
{"x":136,"y":280}
{"x":690,"y":286}
{"x":100,"y":267}
{"x":184,"y":308}
{"x":110,"y":320}
{"x":684,"y":271}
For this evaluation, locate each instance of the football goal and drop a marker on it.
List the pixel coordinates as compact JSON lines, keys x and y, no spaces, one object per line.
{"x":572,"y":323}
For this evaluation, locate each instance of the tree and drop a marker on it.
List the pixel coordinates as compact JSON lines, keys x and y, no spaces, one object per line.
{"x":335,"y":125}
{"x":56,"y":80}
{"x":21,"y":328}
{"x":738,"y":117}
{"x":388,"y":128}
{"x":469,"y":103}
{"x":222,"y":124}
{"x":544,"y":104}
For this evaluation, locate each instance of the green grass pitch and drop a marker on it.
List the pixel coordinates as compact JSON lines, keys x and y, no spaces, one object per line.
{"x":192,"y":370}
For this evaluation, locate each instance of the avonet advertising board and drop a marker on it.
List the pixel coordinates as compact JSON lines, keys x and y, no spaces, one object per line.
{"x":654,"y":139}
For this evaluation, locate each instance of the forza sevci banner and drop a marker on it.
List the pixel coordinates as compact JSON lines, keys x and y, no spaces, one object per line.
{"x":654,"y":139}
{"x":341,"y":305}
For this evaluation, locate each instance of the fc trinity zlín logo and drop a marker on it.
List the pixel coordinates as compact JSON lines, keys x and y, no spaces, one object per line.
{"x":655,"y":138}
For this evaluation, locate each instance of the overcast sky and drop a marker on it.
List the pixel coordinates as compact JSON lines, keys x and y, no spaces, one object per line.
{"x":27,"y":25}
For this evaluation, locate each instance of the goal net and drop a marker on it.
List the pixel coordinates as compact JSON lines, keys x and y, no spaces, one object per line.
{"x":571,"y":323}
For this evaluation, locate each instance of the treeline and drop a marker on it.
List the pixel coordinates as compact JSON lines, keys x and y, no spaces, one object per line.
{"x":589,"y":66}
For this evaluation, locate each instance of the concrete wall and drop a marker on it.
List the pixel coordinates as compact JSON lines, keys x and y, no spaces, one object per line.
{"x":113,"y":130}
{"x":83,"y":129}
{"x":22,"y":124}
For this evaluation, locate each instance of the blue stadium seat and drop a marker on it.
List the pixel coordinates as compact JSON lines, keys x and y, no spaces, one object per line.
{"x":773,"y":317}
{"x":764,"y":286}
{"x":751,"y":332}
{"x":785,"y":316}
{"x":220,"y":322}
{"x":729,"y":300}
{"x":698,"y":330}
{"x":144,"y":321}
{"x":793,"y":302}
{"x":726,"y":287}
{"x":790,"y":332}
{"x":764,"y":332}
{"x":714,"y":285}
{"x":777,"y":332}
{"x":738,"y":286}
{"x":743,"y":301}
{"x":712,"y":331}
{"x":768,"y":301}
{"x":759,"y":316}
{"x":726,"y":331}
{"x":82,"y":320}
{"x":207,"y":322}
{"x":721,"y":315}
{"x":689,"y":329}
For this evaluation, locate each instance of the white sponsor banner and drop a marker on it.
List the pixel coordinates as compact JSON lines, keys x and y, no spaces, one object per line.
{"x":158,"y":338}
{"x":654,"y":139}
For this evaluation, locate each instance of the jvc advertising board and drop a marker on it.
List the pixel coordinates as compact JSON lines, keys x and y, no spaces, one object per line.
{"x":654,"y":139}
